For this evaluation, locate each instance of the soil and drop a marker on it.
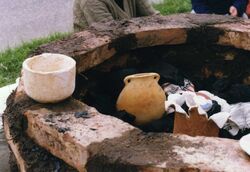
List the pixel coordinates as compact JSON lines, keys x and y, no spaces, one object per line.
{"x":139,"y":149}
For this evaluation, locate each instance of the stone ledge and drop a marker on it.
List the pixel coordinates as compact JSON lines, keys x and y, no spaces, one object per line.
{"x":28,"y":155}
{"x":57,"y":129}
{"x":166,"y":152}
{"x":103,"y":40}
{"x":236,"y":34}
{"x":96,"y":142}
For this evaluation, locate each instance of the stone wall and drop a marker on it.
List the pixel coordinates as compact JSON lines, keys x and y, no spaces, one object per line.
{"x":86,"y":139}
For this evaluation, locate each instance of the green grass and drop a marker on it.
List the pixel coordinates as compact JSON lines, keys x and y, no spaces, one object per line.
{"x":11,"y":59}
{"x":174,"y":6}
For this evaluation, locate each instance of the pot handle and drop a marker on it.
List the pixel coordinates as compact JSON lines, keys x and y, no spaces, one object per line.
{"x":129,"y":78}
{"x":156,"y":77}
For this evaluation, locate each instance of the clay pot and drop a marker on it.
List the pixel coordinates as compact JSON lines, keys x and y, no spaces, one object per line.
{"x":49,"y":78}
{"x":142,"y":97}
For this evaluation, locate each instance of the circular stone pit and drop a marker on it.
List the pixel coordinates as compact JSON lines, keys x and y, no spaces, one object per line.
{"x":55,"y":137}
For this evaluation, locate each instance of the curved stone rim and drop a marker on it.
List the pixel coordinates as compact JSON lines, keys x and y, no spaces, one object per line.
{"x":103,"y":40}
{"x":99,"y":43}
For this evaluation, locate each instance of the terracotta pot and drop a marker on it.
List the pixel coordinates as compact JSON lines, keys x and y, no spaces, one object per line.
{"x":142,"y":97}
{"x":49,"y":78}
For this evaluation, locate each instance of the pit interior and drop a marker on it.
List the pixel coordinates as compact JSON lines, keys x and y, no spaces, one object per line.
{"x":221,"y":70}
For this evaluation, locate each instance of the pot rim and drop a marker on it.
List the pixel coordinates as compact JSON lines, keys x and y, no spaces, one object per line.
{"x":141,"y":75}
{"x":71,"y":63}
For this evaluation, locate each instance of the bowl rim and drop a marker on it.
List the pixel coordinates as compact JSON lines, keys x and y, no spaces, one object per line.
{"x":72,"y":61}
{"x":243,"y":144}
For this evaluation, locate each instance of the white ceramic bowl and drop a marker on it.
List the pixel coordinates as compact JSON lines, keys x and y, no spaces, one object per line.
{"x":245,"y":143}
{"x":49,"y":78}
